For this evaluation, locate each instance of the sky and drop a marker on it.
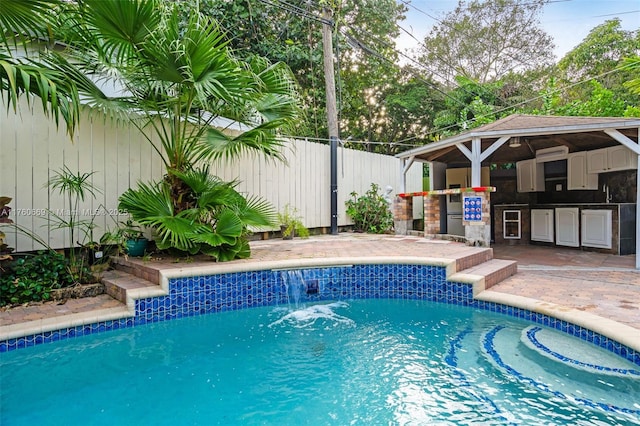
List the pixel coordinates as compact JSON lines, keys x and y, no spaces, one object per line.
{"x":567,"y":21}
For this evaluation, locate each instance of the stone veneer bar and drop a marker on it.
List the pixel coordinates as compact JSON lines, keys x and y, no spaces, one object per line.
{"x":203,"y":294}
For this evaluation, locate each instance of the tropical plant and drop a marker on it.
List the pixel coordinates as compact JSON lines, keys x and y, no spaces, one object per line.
{"x":31,"y":277}
{"x":5,"y":250}
{"x":124,"y":235}
{"x":5,"y":210}
{"x":291,"y":223}
{"x":75,"y":188}
{"x":26,"y":25}
{"x":370,"y":212}
{"x":177,"y":78}
{"x":211,"y":218}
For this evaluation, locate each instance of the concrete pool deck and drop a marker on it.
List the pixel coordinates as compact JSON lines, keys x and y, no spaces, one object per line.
{"x":597,"y":291}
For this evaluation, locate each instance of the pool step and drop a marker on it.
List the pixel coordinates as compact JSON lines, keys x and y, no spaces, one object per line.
{"x":119,"y":283}
{"x":486,"y":274}
{"x":472,"y":260}
{"x":138,"y":269}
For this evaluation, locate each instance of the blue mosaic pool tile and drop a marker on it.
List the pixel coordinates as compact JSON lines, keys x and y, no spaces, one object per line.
{"x":190,"y":296}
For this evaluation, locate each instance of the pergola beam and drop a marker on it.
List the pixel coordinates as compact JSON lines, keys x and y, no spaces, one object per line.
{"x":476,"y":156}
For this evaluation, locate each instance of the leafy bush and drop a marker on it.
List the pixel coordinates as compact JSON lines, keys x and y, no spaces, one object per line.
{"x":370,"y":212}
{"x":31,"y":279}
{"x":291,"y":224}
{"x":195,"y":212}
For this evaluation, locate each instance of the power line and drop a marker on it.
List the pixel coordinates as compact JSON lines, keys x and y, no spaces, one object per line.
{"x":369,"y":50}
{"x":375,"y":53}
{"x":616,"y":14}
{"x":297,"y":11}
{"x":357,"y":142}
{"x":509,"y":107}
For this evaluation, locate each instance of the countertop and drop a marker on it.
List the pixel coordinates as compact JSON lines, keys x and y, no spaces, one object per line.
{"x":534,"y":206}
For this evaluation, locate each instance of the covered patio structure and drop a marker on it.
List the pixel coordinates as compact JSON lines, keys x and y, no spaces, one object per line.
{"x":596,"y":151}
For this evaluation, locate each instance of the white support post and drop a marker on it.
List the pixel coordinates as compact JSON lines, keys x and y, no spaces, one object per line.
{"x":403,"y":176}
{"x":476,"y":163}
{"x":405,"y":165}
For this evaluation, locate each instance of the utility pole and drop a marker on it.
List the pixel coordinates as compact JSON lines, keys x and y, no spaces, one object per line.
{"x":332,"y":111}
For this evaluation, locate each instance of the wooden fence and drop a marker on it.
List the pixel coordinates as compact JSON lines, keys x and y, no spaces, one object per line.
{"x":32,"y":150}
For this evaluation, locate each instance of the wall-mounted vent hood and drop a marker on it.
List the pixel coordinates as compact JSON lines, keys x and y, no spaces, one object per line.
{"x":552,"y":154}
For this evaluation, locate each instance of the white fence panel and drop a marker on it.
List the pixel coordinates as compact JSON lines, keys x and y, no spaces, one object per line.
{"x":32,"y":150}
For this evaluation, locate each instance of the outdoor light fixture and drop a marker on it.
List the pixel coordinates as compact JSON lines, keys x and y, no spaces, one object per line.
{"x":514,"y":142}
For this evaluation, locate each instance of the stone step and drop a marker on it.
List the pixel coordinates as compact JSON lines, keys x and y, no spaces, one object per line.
{"x":486,"y":274}
{"x":138,"y":269}
{"x":118,"y":283}
{"x":473,"y":260}
{"x":494,"y":271}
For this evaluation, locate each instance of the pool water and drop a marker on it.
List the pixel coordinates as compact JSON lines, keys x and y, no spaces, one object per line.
{"x":359,"y":362}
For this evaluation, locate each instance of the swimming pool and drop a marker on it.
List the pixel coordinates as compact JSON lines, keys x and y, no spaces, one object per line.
{"x":345,"y":362}
{"x":268,"y":291}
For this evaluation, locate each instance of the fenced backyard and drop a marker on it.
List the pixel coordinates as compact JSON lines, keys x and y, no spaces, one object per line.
{"x":32,"y":150}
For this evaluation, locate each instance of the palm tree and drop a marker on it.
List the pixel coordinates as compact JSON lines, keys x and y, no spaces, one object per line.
{"x":175,"y":78}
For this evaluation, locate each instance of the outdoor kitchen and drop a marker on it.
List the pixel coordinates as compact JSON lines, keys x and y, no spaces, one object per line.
{"x":537,"y":180}
{"x":570,"y":202}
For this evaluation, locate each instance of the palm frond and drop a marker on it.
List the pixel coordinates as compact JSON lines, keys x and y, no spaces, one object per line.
{"x":257,"y":212}
{"x":76,"y":184}
{"x":25,"y":19}
{"x":200,"y":180}
{"x":226,"y":252}
{"x":176,"y":232}
{"x":261,"y":139}
{"x":227,"y":230}
{"x":118,"y":28}
{"x":57,"y":93}
{"x":147,"y":201}
{"x":277,"y":107}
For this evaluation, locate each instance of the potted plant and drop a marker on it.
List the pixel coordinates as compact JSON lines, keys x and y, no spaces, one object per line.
{"x":129,"y":237}
{"x":5,"y":250}
{"x":291,"y":224}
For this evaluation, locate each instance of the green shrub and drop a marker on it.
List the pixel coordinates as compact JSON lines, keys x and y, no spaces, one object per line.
{"x":31,"y":278}
{"x":370,"y":212}
{"x":291,"y":224}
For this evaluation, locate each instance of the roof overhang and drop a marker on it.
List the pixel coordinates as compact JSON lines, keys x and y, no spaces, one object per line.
{"x":536,"y":132}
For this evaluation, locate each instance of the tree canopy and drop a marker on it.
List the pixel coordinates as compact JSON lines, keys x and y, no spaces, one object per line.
{"x":486,"y":40}
{"x":601,"y":57}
